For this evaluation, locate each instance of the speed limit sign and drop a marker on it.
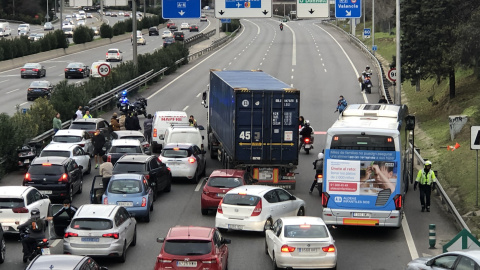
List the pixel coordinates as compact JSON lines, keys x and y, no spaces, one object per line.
{"x":392,"y":74}
{"x":104,"y":69}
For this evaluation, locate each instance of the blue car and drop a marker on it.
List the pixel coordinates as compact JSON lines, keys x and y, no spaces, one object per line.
{"x":132,"y":192}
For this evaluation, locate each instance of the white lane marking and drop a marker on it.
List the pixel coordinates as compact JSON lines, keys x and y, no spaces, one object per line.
{"x":186,"y":107}
{"x":181,"y":75}
{"x":12,"y":91}
{"x":51,"y":67}
{"x":9,"y":75}
{"x":294,"y":46}
{"x":4,"y":81}
{"x":63,"y":74}
{"x":199,"y":94}
{"x":409,"y":238}
{"x":55,"y":242}
{"x":199,"y":185}
{"x":346,"y":55}
{"x":21,"y":104}
{"x":325,"y":69}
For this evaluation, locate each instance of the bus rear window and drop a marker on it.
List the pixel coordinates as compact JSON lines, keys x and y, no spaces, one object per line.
{"x":365,"y":142}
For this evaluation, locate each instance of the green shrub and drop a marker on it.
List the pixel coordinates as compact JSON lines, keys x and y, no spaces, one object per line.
{"x":66,"y":98}
{"x":106,"y":31}
{"x":62,"y":41}
{"x":82,"y":34}
{"x":2,"y":57}
{"x":119,"y":28}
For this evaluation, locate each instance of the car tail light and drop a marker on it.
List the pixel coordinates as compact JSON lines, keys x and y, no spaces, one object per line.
{"x":330,"y":248}
{"x":28,"y":177}
{"x":219,"y":208}
{"x":63,"y":178}
{"x":106,"y":54}
{"x":20,"y":210}
{"x":66,"y":69}
{"x":144,"y":202}
{"x":118,"y":54}
{"x":80,"y":69}
{"x":164,"y":260}
{"x":146,"y":145}
{"x":82,"y":145}
{"x":191,"y":160}
{"x":258,"y":209}
{"x":214,"y":260}
{"x":105,"y":200}
{"x":30,"y":89}
{"x":109,"y":158}
{"x":325,"y":198}
{"x":155,"y":130}
{"x":398,"y":201}
{"x":319,"y":175}
{"x":22,"y":69}
{"x":35,"y":69}
{"x":287,"y":248}
{"x":111,"y":235}
{"x":69,"y":234}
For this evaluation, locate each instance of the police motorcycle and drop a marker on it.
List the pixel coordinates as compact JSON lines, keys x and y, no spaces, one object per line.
{"x":41,"y":247}
{"x":140,"y":106}
{"x":123,"y":104}
{"x":26,"y":154}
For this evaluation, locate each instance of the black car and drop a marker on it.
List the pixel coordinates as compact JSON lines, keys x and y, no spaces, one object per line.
{"x":33,"y":70}
{"x":2,"y":245}
{"x":193,"y":27}
{"x":77,"y":69}
{"x":39,"y":89}
{"x":173,"y":28}
{"x":153,"y":31}
{"x":178,"y":35}
{"x":67,"y":262}
{"x":58,"y":177}
{"x":168,"y":41}
{"x":91,"y":125}
{"x":156,"y":172}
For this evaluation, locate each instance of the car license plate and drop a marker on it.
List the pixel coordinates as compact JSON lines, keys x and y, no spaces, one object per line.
{"x":362,"y":215}
{"x":90,"y":239}
{"x":73,"y":70}
{"x":45,"y":251}
{"x":26,"y":161}
{"x":235,"y":227}
{"x":307,"y":250}
{"x":45,"y":191}
{"x":187,"y":263}
{"x":125,"y":203}
{"x":5,"y":228}
{"x":221,"y":195}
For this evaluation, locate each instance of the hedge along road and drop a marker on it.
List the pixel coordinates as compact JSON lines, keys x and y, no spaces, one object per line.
{"x":14,"y":90}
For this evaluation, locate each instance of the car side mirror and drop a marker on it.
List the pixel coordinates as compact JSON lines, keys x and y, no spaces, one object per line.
{"x":160,"y":240}
{"x":226,"y":241}
{"x":429,"y":263}
{"x":293,"y":198}
{"x":44,"y":196}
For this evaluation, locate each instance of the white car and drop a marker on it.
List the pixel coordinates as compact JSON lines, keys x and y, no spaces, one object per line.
{"x":184,"y":160}
{"x":16,"y":202}
{"x":300,"y":242}
{"x":184,"y":26}
{"x":453,"y":260}
{"x":94,"y":68}
{"x":114,"y":55}
{"x":73,"y":151}
{"x":77,"y":136}
{"x":121,"y":13}
{"x":203,"y":18}
{"x":89,"y":15}
{"x":141,"y":40}
{"x":38,"y":36}
{"x":254,"y":207}
{"x":81,"y":22}
{"x":25,"y":27}
{"x":167,"y":34}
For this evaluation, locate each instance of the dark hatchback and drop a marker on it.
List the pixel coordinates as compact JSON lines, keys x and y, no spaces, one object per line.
{"x":39,"y":89}
{"x":33,"y":70}
{"x":153,"y":31}
{"x":193,"y":28}
{"x":173,"y":28}
{"x":57,"y":177}
{"x":79,"y":70}
{"x":178,"y":35}
{"x":168,"y":41}
{"x":156,"y":172}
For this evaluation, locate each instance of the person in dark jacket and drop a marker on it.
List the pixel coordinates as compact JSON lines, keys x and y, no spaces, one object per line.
{"x":36,"y":229}
{"x":68,"y":208}
{"x":147,"y":128}
{"x":98,"y":141}
{"x":129,"y":123}
{"x":383,"y":100}
{"x":136,"y":122}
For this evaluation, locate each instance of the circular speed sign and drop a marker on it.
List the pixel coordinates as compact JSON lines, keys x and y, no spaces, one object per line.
{"x":392,"y":74}
{"x":104,"y":70}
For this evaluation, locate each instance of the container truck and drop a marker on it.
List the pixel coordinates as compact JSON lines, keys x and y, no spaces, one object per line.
{"x":253,"y":125}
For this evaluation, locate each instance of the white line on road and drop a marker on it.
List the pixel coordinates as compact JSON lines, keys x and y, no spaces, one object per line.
{"x":12,"y":91}
{"x":51,"y":67}
{"x":186,"y":107}
{"x":55,"y":242}
{"x":199,"y":185}
{"x":409,"y":238}
{"x":294,"y":46}
{"x":63,"y":74}
{"x":21,"y":104}
{"x":199,"y":94}
{"x":4,"y":81}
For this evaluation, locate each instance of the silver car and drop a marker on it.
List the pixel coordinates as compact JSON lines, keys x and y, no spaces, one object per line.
{"x":76,"y":136}
{"x":455,"y":260}
{"x":100,"y":230}
{"x":73,"y":151}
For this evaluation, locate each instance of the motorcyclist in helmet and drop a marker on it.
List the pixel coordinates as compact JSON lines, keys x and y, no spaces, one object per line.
{"x":306,"y":132}
{"x":124,"y":98}
{"x":36,"y":227}
{"x":281,"y":26}
{"x":318,"y":167}
{"x":366,"y":73}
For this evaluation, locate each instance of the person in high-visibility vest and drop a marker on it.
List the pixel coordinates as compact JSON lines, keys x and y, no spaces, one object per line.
{"x":426,"y":179}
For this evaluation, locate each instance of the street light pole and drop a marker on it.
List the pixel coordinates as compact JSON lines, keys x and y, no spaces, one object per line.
{"x":47,"y":17}
{"x":373,"y":25}
{"x":134,"y":34}
{"x":398,"y":95}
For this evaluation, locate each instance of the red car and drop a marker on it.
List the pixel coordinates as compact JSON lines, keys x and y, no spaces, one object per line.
{"x":191,"y":247}
{"x":219,"y":183}
{"x":170,"y":24}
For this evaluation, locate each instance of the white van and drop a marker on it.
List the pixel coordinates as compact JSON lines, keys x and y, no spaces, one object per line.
{"x":183,"y":134}
{"x":5,"y":29}
{"x":163,"y":120}
{"x":94,"y":68}
{"x":68,"y":30}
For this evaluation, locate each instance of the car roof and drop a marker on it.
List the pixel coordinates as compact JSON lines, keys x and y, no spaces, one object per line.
{"x":296,"y":220}
{"x":74,"y":132}
{"x":125,"y":176}
{"x":228,"y":173}
{"x":13,"y":191}
{"x":56,"y":261}
{"x":190,"y":232}
{"x":252,"y":189}
{"x":94,"y":120}
{"x":60,"y":146}
{"x":53,"y":160}
{"x":133,"y":142}
{"x":128,"y":133}
{"x":135,"y":158}
{"x":96,"y":211}
{"x":178,"y":145}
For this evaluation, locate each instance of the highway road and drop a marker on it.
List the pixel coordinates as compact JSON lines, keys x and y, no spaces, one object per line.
{"x":322,"y":64}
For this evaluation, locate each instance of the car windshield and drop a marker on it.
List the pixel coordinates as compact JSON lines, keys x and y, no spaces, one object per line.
{"x":188,"y":247}
{"x":83,"y":126}
{"x":7,"y":203}
{"x":46,"y":169}
{"x":112,"y":51}
{"x":176,"y":153}
{"x":241,"y":199}
{"x":305,"y":231}
{"x":91,"y":224}
{"x":39,"y":84}
{"x":167,"y":32}
{"x":31,"y":66}
{"x":126,"y":167}
{"x":67,"y":139}
{"x":50,"y":153}
{"x":182,"y":137}
{"x":224,"y":182}
{"x":133,"y":137}
{"x":125,"y":186}
{"x":127,"y":149}
{"x":74,"y":65}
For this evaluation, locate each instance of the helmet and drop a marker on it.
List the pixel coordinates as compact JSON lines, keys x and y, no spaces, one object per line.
{"x":367,"y":67}
{"x":124,"y":93}
{"x":35,"y":212}
{"x":307,"y":123}
{"x":428,"y":163}
{"x":320,"y":155}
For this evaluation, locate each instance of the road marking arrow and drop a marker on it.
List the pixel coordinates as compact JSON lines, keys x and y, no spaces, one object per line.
{"x":349,"y":13}
{"x":221,"y":12}
{"x":311,"y":11}
{"x":181,"y":12}
{"x":265,"y":12}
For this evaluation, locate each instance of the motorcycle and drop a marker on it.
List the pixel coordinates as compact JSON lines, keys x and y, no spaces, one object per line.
{"x":26,"y":154}
{"x":41,"y":247}
{"x":140,"y":106}
{"x":368,"y":85}
{"x":281,"y":27}
{"x":319,"y":176}
{"x":307,"y":144}
{"x":124,"y":105}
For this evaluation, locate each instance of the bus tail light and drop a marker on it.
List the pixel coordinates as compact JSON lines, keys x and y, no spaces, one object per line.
{"x":398,"y":201}
{"x":325,"y":198}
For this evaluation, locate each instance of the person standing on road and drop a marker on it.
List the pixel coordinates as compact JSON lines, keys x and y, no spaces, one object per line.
{"x":341,"y":105}
{"x":383,"y":100}
{"x":426,"y":179}
{"x":114,"y":122}
{"x":106,"y":171}
{"x":129,"y":122}
{"x":147,"y":128}
{"x":68,"y":208}
{"x":87,"y":114}
{"x":121,"y":122}
{"x":79,"y":113}
{"x":57,"y":123}
{"x":98,"y":141}
{"x":136,"y":122}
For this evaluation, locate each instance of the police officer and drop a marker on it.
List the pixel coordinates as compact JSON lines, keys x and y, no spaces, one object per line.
{"x":426,"y":179}
{"x":36,"y":227}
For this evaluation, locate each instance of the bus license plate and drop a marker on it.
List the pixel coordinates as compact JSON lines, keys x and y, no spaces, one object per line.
{"x":367,"y":215}
{"x":187,"y":263}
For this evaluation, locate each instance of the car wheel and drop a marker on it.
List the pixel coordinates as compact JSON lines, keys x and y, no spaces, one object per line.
{"x":21,"y":76}
{"x":301,"y":212}
{"x":155,"y":191}
{"x":2,"y":251}
{"x":80,"y":188}
{"x":151,"y":207}
{"x":204,"y":212}
{"x":134,"y":240}
{"x":266,"y":247}
{"x":274,"y":263}
{"x":222,"y":230}
{"x":168,"y":188}
{"x":196,"y":177}
{"x":70,"y":193}
{"x":89,"y":169}
{"x":147,"y":218}
{"x":123,"y":258}
{"x":66,"y":76}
